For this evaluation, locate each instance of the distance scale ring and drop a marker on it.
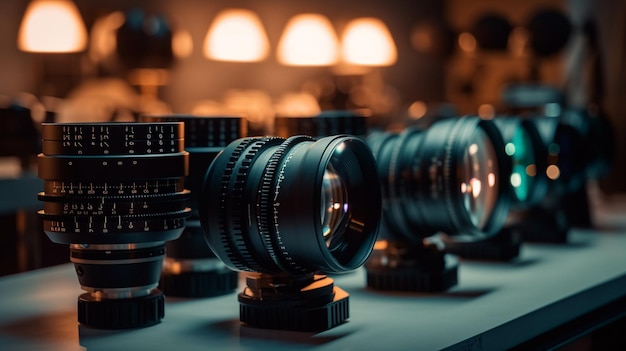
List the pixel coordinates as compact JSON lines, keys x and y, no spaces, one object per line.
{"x":206,"y":131}
{"x":112,"y":147}
{"x":114,"y":205}
{"x":112,"y":131}
{"x":121,"y":188}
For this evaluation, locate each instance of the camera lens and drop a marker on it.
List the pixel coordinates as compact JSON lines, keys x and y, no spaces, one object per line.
{"x":289,"y":209}
{"x":312,"y":205}
{"x":190,"y":268}
{"x":115,"y":193}
{"x":451,"y":179}
{"x":330,"y":122}
{"x":527,"y":151}
{"x":447,"y":178}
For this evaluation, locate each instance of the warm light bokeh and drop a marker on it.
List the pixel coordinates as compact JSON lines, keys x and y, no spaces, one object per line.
{"x":308,"y":40}
{"x":236,"y":35}
{"x":367,"y":41}
{"x":53,"y":26}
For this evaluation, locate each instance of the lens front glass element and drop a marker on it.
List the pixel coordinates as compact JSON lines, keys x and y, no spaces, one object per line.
{"x":521,"y":151}
{"x":479,"y":186}
{"x":334,"y":206}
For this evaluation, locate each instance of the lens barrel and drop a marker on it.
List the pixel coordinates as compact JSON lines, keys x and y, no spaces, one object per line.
{"x":433,"y":180}
{"x":262,"y":207}
{"x":190,"y":268}
{"x":114,"y":192}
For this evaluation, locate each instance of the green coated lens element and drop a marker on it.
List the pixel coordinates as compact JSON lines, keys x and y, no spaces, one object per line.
{"x":521,"y":151}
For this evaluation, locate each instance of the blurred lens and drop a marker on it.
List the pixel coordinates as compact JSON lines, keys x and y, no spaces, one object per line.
{"x":520,"y":150}
{"x":527,"y":152}
{"x":326,"y":123}
{"x":447,"y":178}
{"x":114,"y":192}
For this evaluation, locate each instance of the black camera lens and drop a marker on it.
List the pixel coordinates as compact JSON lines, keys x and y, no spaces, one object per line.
{"x":190,"y":268}
{"x":448,"y":178}
{"x":451,"y":178}
{"x":326,"y":123}
{"x":289,"y":209}
{"x":114,"y":192}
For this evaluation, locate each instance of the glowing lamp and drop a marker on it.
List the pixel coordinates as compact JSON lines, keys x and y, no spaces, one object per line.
{"x":236,"y":35}
{"x":52,"y":26}
{"x":308,"y":40}
{"x":367,"y":41}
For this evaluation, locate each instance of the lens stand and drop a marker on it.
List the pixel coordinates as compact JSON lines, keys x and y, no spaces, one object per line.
{"x":395,"y":266}
{"x":192,"y":270}
{"x":300,"y":303}
{"x":503,"y":246}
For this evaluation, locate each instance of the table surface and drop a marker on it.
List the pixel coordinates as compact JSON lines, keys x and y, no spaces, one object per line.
{"x":495,"y":306}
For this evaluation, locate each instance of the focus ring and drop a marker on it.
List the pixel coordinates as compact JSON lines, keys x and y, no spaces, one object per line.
{"x":266,"y":214}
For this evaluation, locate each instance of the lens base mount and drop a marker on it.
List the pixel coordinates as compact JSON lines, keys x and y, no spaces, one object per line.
{"x":137,"y":312}
{"x":299,"y":303}
{"x":199,"y":284}
{"x":396,"y":267}
{"x":503,"y":246}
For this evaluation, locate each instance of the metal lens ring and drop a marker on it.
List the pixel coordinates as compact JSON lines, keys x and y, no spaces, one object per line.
{"x":281,"y":188}
{"x":87,"y":194}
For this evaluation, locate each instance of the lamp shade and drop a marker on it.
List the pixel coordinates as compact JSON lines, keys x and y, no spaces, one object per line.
{"x":367,"y":41}
{"x":236,"y":35}
{"x":308,"y":40}
{"x":53,"y":26}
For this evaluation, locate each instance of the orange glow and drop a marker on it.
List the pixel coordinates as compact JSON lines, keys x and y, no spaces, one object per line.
{"x":52,"y":26}
{"x":182,"y":44}
{"x":308,"y":40}
{"x":486,"y":111}
{"x":236,"y":35}
{"x":381,"y":245}
{"x":467,"y":42}
{"x":367,"y":41}
{"x":417,"y":110}
{"x":531,"y":170}
{"x":553,"y":172}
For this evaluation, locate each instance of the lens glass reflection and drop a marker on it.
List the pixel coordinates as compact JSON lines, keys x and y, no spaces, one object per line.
{"x":479,"y":186}
{"x":334,"y":207}
{"x":520,"y":149}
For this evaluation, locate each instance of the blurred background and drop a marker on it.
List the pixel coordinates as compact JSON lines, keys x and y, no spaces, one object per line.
{"x":420,"y":60}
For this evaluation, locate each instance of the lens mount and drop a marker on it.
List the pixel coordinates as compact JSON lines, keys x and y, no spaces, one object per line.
{"x":263,"y":208}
